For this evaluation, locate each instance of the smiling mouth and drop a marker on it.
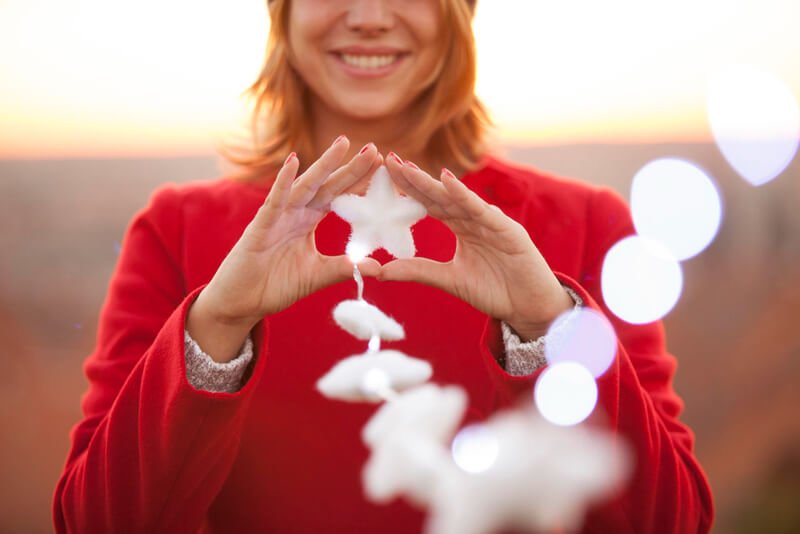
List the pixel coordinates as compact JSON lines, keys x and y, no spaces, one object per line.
{"x":370,"y":62}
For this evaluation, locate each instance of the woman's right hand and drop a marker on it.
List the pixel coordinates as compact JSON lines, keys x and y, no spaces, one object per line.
{"x":275,"y":262}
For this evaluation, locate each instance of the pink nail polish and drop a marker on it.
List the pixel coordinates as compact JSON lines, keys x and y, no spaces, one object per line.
{"x":411,"y":164}
{"x":366,"y":147}
{"x":447,"y":172}
{"x":339,"y":139}
{"x":396,"y":158}
{"x":290,"y":156}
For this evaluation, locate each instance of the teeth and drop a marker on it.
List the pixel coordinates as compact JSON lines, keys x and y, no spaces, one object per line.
{"x":369,"y":62}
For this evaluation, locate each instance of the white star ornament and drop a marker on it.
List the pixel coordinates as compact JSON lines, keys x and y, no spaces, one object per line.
{"x":380,"y":219}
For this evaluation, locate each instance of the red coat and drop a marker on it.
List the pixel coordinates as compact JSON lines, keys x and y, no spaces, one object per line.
{"x":154,"y":454}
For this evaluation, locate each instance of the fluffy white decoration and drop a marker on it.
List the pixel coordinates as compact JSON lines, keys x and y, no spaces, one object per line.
{"x":410,"y":466}
{"x":348,"y":378}
{"x":543,"y":477}
{"x":430,"y":411}
{"x":408,"y":438}
{"x":362,"y":320}
{"x":381,"y":218}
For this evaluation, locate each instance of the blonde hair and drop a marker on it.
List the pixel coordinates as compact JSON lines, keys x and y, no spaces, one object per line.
{"x":453,"y":125}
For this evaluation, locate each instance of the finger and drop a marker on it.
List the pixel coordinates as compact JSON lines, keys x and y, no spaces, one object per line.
{"x":276,"y":200}
{"x":429,"y":272}
{"x":424,"y":182}
{"x":358,"y":168}
{"x":398,"y":177}
{"x":279,"y":192}
{"x":335,"y":269}
{"x":306,"y":186}
{"x":472,"y":205}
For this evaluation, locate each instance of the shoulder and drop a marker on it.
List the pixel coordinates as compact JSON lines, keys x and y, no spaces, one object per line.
{"x":210,"y":198}
{"x":545,"y":193}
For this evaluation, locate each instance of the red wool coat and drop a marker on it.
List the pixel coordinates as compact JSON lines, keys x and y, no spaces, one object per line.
{"x":153,"y":454}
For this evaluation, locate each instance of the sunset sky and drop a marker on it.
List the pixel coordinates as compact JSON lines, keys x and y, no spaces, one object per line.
{"x":104,"y":78}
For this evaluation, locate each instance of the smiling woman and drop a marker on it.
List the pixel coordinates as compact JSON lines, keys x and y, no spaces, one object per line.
{"x":202,"y":413}
{"x":345,"y":67}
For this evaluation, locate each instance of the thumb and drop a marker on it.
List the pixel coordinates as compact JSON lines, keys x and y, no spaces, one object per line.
{"x":423,"y":270}
{"x":339,"y":268}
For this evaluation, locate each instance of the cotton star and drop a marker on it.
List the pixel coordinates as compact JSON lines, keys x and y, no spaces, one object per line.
{"x":408,"y":438}
{"x":541,"y":477}
{"x":381,"y":218}
{"x":359,"y":378}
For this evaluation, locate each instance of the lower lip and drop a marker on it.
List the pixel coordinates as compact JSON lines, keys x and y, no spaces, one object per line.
{"x":377,"y":72}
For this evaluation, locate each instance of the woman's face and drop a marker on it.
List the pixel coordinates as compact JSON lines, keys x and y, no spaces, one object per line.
{"x":365,"y":59}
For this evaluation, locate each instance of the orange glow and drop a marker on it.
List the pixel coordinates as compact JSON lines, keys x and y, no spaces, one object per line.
{"x":103,"y":78}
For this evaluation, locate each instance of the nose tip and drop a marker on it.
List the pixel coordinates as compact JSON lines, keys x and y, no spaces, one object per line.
{"x":370,"y":16}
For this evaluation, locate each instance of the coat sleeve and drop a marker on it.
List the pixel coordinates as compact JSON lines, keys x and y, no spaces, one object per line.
{"x":151,"y":451}
{"x":668,"y":491}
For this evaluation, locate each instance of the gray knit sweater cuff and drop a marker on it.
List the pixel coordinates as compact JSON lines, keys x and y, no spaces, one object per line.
{"x":205,"y":374}
{"x":525,"y":358}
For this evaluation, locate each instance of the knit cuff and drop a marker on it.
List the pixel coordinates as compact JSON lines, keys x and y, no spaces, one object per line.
{"x":204,"y":373}
{"x":525,"y":358}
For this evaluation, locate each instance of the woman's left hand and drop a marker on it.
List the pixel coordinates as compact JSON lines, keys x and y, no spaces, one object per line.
{"x":496,"y":267}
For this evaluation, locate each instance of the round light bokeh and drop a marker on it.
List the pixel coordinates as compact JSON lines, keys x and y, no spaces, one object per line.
{"x":641,"y":281}
{"x":676,"y":204}
{"x":565,"y":393}
{"x":356,"y":251}
{"x":475,"y":448}
{"x":755,"y":120}
{"x":375,"y":382}
{"x":584,"y":336}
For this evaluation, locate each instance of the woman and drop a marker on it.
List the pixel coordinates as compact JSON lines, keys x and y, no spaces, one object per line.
{"x":201,"y":411}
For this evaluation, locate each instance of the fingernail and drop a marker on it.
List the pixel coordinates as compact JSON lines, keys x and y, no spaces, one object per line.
{"x":339,"y":139}
{"x":396,"y":158}
{"x":450,"y":174}
{"x":366,"y":147}
{"x":290,"y":156}
{"x":411,"y":164}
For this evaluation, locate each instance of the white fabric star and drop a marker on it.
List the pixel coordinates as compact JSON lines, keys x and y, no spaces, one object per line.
{"x":363,"y":320}
{"x":361,"y":378}
{"x":381,"y":218}
{"x":542,"y":477}
{"x":408,"y":438}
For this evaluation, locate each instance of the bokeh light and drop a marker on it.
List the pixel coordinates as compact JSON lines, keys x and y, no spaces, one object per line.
{"x":641,"y":281}
{"x":565,"y":393}
{"x":375,"y":382}
{"x":374,"y":344}
{"x":356,"y":251}
{"x":475,"y":448}
{"x":755,"y":120}
{"x":584,"y":336}
{"x":676,"y":203}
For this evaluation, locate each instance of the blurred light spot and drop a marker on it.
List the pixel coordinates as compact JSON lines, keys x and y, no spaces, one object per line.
{"x":356,"y":251}
{"x":584,"y":336}
{"x":375,"y":382}
{"x":755,"y":120}
{"x":641,"y":280}
{"x":475,"y":449}
{"x":565,"y":393}
{"x":374,"y":344}
{"x":117,"y":247}
{"x":677,"y":204}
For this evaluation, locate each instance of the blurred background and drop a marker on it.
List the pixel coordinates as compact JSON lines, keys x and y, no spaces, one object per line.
{"x":101,"y":101}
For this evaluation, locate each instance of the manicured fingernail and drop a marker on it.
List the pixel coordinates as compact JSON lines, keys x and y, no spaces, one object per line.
{"x":396,"y":158}
{"x":411,"y":164}
{"x":340,"y":139}
{"x":450,"y":174}
{"x":366,"y":147}
{"x":290,"y":156}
